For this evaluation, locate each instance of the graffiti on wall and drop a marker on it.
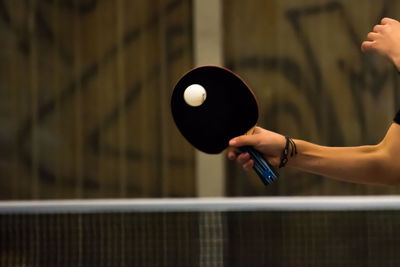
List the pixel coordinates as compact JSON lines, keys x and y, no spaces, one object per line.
{"x":304,"y":62}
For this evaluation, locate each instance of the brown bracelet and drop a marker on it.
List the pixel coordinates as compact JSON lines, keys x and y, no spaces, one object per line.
{"x":289,"y":147}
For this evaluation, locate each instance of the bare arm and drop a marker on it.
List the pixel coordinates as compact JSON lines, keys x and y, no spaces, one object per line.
{"x":377,"y":164}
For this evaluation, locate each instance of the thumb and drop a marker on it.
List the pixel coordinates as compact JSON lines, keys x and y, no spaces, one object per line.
{"x":243,"y":140}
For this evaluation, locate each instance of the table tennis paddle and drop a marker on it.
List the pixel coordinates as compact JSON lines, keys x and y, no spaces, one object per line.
{"x":211,"y":105}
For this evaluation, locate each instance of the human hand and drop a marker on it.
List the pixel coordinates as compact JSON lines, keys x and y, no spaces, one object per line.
{"x":385,"y":40}
{"x":268,"y":143}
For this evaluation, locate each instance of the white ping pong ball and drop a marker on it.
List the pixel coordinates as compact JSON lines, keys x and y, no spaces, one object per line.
{"x":195,"y":95}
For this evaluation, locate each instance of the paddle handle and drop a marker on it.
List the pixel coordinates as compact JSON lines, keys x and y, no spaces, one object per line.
{"x":263,"y":169}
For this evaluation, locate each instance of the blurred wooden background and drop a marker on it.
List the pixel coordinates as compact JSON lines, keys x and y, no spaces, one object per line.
{"x":304,"y":62}
{"x":85,"y":87}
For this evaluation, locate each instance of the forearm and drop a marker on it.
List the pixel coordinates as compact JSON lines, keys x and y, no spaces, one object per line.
{"x":364,"y":164}
{"x":378,"y":164}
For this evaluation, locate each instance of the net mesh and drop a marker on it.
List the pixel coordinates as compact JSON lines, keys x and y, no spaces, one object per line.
{"x":201,"y":238}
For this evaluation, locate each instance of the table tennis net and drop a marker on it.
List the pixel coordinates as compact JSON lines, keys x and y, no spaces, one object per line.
{"x":216,"y":232}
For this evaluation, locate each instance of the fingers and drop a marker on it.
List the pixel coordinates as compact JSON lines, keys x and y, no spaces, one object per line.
{"x":248,"y":165}
{"x":268,"y":143}
{"x":244,"y":140}
{"x":368,"y":46}
{"x":242,"y":158}
{"x":387,"y":21}
{"x":372,"y":36}
{"x":232,"y":155}
{"x":245,"y":160}
{"x":378,"y":28}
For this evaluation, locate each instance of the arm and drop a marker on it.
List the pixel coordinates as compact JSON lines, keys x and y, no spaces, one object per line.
{"x":365,"y":164}
{"x":376,"y":164}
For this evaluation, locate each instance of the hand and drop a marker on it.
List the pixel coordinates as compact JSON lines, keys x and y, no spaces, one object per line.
{"x":268,"y":143}
{"x":385,"y":40}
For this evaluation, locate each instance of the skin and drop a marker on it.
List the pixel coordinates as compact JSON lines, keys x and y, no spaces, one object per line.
{"x":374,"y":164}
{"x":385,"y":40}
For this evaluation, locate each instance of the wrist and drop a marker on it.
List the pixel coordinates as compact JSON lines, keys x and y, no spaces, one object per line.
{"x":288,"y":152}
{"x":396,"y":62}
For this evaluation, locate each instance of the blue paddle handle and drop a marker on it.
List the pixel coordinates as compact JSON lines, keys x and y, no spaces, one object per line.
{"x":263,"y":169}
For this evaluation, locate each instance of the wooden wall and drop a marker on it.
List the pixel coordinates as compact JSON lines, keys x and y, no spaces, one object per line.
{"x":303,"y":60}
{"x":85,"y":89}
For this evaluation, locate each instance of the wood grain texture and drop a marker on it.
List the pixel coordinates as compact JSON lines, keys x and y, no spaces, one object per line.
{"x":85,"y":99}
{"x":303,"y":61}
